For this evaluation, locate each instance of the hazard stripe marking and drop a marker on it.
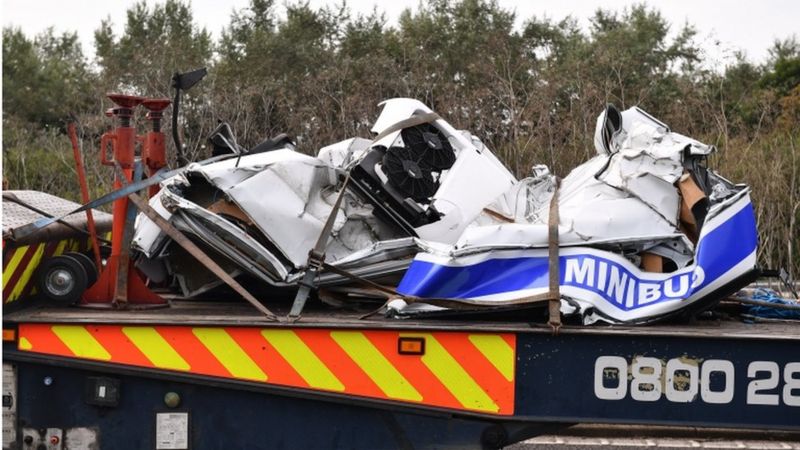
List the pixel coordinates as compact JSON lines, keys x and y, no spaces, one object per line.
{"x":29,"y":268}
{"x":497,"y":351}
{"x":155,"y":348}
{"x":12,"y":263}
{"x":20,"y":264}
{"x":25,"y":344}
{"x":17,"y":273}
{"x":266,"y":357}
{"x":411,"y":366}
{"x":42,"y":339}
{"x":500,"y":390}
{"x":80,"y":342}
{"x":122,"y":349}
{"x":60,"y":248}
{"x":196,"y":355}
{"x":458,"y":370}
{"x":228,"y":352}
{"x":453,"y":376}
{"x":375,"y":365}
{"x":354,"y":379}
{"x":30,"y":285}
{"x":302,"y":359}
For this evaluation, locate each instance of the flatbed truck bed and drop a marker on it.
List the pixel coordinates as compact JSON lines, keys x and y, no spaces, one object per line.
{"x":336,"y":380}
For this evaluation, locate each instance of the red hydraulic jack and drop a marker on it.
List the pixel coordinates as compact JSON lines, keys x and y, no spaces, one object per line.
{"x":120,"y":284}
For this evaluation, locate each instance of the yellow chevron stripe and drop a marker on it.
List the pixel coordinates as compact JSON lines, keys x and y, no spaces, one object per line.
{"x":80,"y":342}
{"x":26,"y":275}
{"x":450,"y":373}
{"x":229,"y":354}
{"x":60,"y":248}
{"x":25,"y":344}
{"x":12,"y":265}
{"x":155,"y":348}
{"x":375,"y":365}
{"x":497,"y":351}
{"x":302,"y":359}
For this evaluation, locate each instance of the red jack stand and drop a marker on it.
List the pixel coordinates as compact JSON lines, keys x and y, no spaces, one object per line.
{"x":154,"y":154}
{"x":119,"y":283}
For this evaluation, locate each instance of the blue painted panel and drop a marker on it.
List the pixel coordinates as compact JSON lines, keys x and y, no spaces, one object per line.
{"x":600,"y":275}
{"x":562,"y":378}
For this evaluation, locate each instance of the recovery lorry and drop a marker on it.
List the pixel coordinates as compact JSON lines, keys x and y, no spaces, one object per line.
{"x":139,"y":368}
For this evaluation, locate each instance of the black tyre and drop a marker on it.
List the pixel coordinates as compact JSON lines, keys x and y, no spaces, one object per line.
{"x":88,"y":264}
{"x":62,"y":279}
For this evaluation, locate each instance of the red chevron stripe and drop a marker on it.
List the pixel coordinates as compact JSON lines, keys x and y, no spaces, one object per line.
{"x":43,"y":340}
{"x":49,"y":250}
{"x":346,"y":370}
{"x":118,"y":345}
{"x":186,"y":344}
{"x":266,"y":357}
{"x":480,"y":369}
{"x":19,"y":270}
{"x":414,"y":370}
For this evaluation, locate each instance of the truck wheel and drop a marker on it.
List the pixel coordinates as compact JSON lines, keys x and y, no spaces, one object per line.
{"x":62,"y":279}
{"x":88,"y":264}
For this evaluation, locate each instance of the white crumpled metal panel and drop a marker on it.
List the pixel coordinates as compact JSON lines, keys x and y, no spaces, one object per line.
{"x":286,"y":203}
{"x":476,"y":179}
{"x":227,"y":174}
{"x":628,"y":195}
{"x":596,"y":211}
{"x":148,"y":236}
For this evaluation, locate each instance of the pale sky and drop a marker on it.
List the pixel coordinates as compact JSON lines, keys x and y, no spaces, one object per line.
{"x":723,"y":26}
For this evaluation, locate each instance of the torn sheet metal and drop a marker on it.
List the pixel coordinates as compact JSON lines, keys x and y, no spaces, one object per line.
{"x":626,"y":195}
{"x":287,"y":203}
{"x":633,"y":246}
{"x":596,"y":284}
{"x":459,"y":200}
{"x":616,"y":211}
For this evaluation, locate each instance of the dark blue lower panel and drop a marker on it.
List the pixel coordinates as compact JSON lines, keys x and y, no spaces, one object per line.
{"x":228,"y":418}
{"x":752,"y":383}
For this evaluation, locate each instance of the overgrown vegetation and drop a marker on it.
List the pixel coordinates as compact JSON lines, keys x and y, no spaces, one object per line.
{"x":531,"y":93}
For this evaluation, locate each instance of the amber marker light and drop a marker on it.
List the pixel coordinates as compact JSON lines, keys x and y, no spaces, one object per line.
{"x":9,"y":335}
{"x":411,"y":346}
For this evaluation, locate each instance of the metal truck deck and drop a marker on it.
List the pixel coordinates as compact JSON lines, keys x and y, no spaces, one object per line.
{"x":348,"y":382}
{"x":187,"y":312}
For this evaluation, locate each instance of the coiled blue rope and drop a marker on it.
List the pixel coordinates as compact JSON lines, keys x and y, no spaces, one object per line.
{"x":770,"y":296}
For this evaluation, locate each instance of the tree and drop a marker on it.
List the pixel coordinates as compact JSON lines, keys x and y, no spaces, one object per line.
{"x":156,"y":42}
{"x":783,"y":68}
{"x":45,"y":79}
